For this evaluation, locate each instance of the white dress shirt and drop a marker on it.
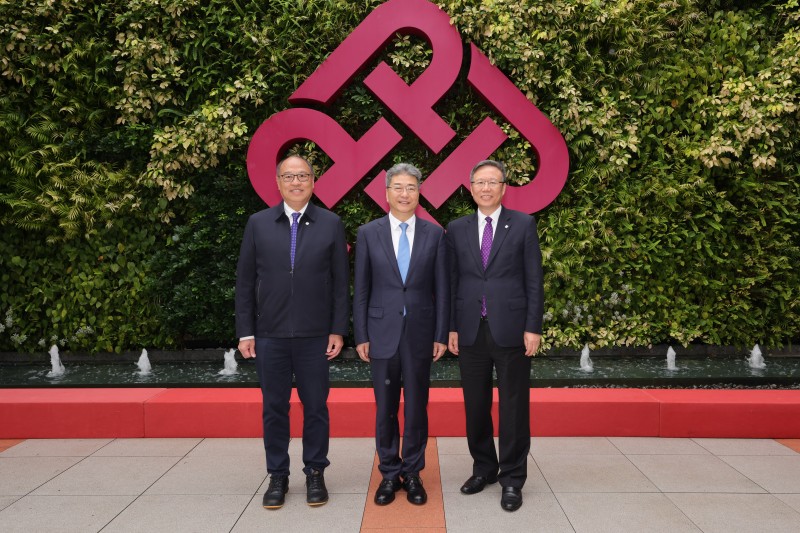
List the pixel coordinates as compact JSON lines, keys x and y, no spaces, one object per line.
{"x":396,"y":231}
{"x":482,"y":224}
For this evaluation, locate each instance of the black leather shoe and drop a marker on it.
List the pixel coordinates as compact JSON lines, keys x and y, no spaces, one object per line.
{"x":475,"y":484}
{"x":316,"y":493}
{"x":416,"y":492}
{"x":385,"y":493}
{"x":511,"y":500}
{"x":276,"y":492}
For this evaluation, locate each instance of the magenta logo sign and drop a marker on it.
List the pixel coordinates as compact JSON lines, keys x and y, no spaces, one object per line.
{"x":413,"y":105}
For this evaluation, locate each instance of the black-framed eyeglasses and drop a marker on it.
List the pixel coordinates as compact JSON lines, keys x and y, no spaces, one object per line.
{"x":489,"y":184}
{"x":302,"y":177}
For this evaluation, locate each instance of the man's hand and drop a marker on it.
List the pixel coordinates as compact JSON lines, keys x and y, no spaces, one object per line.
{"x":247,"y":348}
{"x":335,"y":343}
{"x":438,"y":350}
{"x":363,"y":351}
{"x":532,"y":341}
{"x":452,"y":342}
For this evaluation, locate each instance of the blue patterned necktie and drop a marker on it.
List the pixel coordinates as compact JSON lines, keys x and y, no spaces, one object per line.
{"x":403,"y":252}
{"x":293,"y":246}
{"x":486,"y":247}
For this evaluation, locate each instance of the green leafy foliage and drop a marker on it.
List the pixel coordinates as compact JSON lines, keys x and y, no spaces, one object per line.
{"x":124,"y":128}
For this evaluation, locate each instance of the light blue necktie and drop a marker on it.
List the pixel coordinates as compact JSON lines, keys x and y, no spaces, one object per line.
{"x":403,"y":252}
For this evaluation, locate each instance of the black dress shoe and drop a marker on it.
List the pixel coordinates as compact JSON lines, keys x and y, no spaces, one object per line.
{"x":276,"y":492}
{"x":416,"y":492}
{"x":511,"y":500}
{"x":475,"y":484}
{"x":316,"y":493}
{"x":385,"y":493}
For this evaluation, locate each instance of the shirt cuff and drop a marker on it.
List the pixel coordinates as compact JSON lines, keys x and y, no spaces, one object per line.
{"x":246,"y":338}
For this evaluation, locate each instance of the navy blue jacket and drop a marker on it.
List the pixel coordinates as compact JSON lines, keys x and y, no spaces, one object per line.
{"x":274,"y":301}
{"x":512,"y":282}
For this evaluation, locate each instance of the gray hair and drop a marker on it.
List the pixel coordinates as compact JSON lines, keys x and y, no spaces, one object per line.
{"x":403,"y":168}
{"x":488,"y":163}
{"x":290,"y":156}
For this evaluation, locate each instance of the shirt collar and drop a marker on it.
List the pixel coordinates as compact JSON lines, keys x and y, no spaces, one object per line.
{"x":395,"y":223}
{"x":494,"y":216}
{"x":288,"y":210}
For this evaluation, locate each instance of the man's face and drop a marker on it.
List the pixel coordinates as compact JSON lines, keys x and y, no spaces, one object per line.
{"x":403,"y":196}
{"x":296,"y":193}
{"x":487,"y":188}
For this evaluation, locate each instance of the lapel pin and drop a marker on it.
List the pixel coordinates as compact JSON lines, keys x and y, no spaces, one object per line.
{"x":307,"y":224}
{"x":506,"y":225}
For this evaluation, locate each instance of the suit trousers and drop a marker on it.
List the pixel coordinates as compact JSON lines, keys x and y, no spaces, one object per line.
{"x":414,"y":372}
{"x":513,"y":384}
{"x":277,"y":359}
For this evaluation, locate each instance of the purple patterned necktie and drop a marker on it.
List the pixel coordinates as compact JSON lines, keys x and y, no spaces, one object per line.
{"x":486,"y":247}
{"x":293,"y":246}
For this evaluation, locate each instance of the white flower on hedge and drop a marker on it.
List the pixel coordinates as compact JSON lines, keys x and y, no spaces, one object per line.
{"x":548,"y":316}
{"x":9,"y":318}
{"x":53,"y":339}
{"x":16,"y":338}
{"x":41,"y":343}
{"x":2,"y":328}
{"x":62,"y":342}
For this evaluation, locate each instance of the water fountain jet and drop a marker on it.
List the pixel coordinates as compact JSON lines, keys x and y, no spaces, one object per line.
{"x":671,"y":359}
{"x":144,"y":364}
{"x":586,"y":361}
{"x":55,"y":363}
{"x":756,"y":360}
{"x":230,"y":363}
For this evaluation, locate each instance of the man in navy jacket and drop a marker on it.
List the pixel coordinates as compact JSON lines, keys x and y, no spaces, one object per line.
{"x":496,"y":322}
{"x":400,"y":320}
{"x":291,"y":315}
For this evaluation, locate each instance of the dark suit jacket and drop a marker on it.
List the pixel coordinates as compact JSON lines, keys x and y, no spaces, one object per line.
{"x":273,"y":301}
{"x":380,"y":295}
{"x":512,"y":282}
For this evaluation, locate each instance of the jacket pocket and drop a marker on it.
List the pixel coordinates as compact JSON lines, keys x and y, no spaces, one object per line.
{"x":375,"y":312}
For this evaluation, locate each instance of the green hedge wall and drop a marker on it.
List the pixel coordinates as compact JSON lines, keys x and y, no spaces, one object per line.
{"x":124,"y":128}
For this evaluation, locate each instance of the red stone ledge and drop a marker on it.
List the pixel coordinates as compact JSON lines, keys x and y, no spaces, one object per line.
{"x":236,"y":412}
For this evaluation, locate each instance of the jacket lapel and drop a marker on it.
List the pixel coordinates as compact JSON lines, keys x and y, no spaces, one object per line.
{"x":472,"y":240}
{"x":420,"y":238}
{"x":385,"y":238}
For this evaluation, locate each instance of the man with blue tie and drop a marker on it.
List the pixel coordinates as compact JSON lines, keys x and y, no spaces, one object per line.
{"x":291,"y":315}
{"x":401,"y":305}
{"x":496,"y":323}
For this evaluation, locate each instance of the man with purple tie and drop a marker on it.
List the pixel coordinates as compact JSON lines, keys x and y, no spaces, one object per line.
{"x":291,"y":315}
{"x":401,"y":305}
{"x":495,"y":323}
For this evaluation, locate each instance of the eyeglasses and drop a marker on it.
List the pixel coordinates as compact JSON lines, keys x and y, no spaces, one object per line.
{"x":489,"y":184}
{"x":398,"y":189}
{"x":302,"y":177}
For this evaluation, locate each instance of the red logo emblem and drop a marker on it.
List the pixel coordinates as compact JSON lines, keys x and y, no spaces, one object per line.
{"x":413,"y":105}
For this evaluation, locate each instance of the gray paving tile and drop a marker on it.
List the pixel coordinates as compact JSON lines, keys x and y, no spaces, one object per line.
{"x":592,"y":473}
{"x":108,"y":476}
{"x":342,"y":514}
{"x":5,"y":501}
{"x":63,"y":514}
{"x":792,"y":500}
{"x":482,"y":512}
{"x":20,"y":475}
{"x":180,"y":513}
{"x":55,"y":448}
{"x":228,"y":447}
{"x":612,"y":513}
{"x":455,"y":469}
{"x":572,"y":446}
{"x":745,"y":447}
{"x":657,"y":446}
{"x":778,"y":473}
{"x":241,"y":474}
{"x":147,"y":448}
{"x":692,"y":473}
{"x":734,"y":513}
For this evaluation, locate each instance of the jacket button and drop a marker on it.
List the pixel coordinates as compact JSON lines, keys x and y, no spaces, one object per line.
{"x":405,"y":289}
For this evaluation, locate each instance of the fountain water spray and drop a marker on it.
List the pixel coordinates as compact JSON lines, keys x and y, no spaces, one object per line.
{"x":144,"y":364}
{"x":55,"y":363}
{"x":671,"y":359}
{"x":586,"y":361}
{"x":230,"y":363}
{"x":756,"y":360}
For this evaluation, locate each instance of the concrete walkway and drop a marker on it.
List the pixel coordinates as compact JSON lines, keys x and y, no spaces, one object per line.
{"x":593,"y":484}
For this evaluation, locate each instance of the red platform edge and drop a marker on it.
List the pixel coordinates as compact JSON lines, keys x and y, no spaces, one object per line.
{"x":216,"y":412}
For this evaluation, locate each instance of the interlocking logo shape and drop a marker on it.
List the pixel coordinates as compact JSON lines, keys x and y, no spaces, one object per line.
{"x":413,"y":105}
